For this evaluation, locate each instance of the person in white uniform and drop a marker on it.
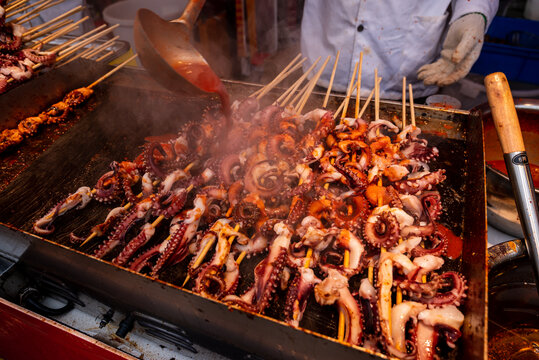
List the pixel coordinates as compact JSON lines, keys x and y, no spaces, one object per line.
{"x":431,"y":42}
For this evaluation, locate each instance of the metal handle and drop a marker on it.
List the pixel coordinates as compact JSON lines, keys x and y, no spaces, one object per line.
{"x":506,"y":122}
{"x":190,"y":14}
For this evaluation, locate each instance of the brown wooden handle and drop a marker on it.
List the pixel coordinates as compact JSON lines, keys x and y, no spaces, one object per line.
{"x":504,"y":113}
{"x":190,"y":14}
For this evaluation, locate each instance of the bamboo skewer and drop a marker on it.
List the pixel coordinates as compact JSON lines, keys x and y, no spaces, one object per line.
{"x":310,"y":89}
{"x":108,"y":53}
{"x":369,"y":98}
{"x":376,"y":96}
{"x":288,"y":93}
{"x":403,"y":102}
{"x":35,"y":11}
{"x":97,"y":49}
{"x":326,"y":99}
{"x":349,"y":91}
{"x":412,"y":110}
{"x":205,"y":251}
{"x":299,"y":94}
{"x":65,"y":53}
{"x":307,"y":89}
{"x":15,"y":5}
{"x":59,"y":33}
{"x":125,"y":62}
{"x":107,"y":43}
{"x":17,"y":10}
{"x":262,"y":89}
{"x":358,"y":85}
{"x":282,"y":77}
{"x":78,"y":38}
{"x":47,"y":30}
{"x":56,"y":19}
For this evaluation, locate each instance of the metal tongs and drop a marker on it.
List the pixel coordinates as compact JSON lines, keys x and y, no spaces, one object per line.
{"x":507,"y":126}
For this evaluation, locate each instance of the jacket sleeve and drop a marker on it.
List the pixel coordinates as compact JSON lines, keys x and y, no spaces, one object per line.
{"x":485,"y":7}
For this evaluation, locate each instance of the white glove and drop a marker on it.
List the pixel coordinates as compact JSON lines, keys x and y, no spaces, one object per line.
{"x":461,"y":49}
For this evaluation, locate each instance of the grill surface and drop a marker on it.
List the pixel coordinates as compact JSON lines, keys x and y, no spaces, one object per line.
{"x":112,"y":126}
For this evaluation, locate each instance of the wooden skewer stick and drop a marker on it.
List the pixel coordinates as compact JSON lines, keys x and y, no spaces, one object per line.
{"x":299,"y":94}
{"x":326,"y":99}
{"x":288,"y":93}
{"x":51,"y":29}
{"x":369,"y":98}
{"x":342,"y":321}
{"x":78,"y":38}
{"x":285,"y":75}
{"x":358,"y":85}
{"x":204,"y":252}
{"x":107,"y":43}
{"x":15,"y":5}
{"x":59,"y":33}
{"x":310,"y":89}
{"x":97,"y":49}
{"x":28,"y":16}
{"x":376,"y":96}
{"x":65,"y":53}
{"x":412,"y":110}
{"x":17,"y":10}
{"x":280,"y":74}
{"x":349,"y":91}
{"x":104,"y":56}
{"x":403,"y":102}
{"x":125,"y":62}
{"x":53,"y":21}
{"x":282,"y":77}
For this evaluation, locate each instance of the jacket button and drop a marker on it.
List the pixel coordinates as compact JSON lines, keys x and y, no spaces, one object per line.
{"x":360,"y":28}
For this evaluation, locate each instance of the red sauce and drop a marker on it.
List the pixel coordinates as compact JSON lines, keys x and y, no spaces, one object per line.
{"x":500,"y":166}
{"x":454,"y":242}
{"x":204,"y":78}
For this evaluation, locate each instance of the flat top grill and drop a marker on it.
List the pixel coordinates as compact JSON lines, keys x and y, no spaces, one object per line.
{"x":129,"y":107}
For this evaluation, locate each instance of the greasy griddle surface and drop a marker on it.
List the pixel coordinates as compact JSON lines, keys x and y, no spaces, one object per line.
{"x":115,"y":130}
{"x":35,"y":96}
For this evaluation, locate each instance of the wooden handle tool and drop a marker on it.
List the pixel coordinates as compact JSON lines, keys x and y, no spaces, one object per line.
{"x":506,"y":122}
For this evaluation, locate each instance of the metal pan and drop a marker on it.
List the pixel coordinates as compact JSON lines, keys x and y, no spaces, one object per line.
{"x":501,"y":209}
{"x":129,"y":107}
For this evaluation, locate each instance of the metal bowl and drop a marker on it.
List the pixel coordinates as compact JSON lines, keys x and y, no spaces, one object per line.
{"x":501,"y":208}
{"x":513,"y":313}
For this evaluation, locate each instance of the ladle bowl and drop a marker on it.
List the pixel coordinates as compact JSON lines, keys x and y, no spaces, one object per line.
{"x":166,"y":52}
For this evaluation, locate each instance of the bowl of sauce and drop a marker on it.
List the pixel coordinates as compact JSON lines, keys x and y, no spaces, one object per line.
{"x":501,"y":208}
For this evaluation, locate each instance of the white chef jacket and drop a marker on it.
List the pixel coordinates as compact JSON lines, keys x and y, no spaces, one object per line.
{"x":396,"y":36}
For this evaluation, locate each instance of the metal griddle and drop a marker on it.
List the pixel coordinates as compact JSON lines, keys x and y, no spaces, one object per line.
{"x":130,"y":106}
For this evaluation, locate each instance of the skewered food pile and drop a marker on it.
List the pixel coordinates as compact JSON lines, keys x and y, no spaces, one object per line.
{"x":17,"y":63}
{"x":324,"y":206}
{"x":55,"y":113}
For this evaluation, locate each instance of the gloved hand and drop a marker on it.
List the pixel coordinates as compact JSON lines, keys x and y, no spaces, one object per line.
{"x":461,"y":49}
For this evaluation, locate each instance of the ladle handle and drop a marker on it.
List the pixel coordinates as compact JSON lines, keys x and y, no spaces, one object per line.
{"x":506,"y":122}
{"x":190,"y":14}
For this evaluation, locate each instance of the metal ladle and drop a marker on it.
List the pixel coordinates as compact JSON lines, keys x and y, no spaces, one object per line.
{"x":516,"y":161}
{"x":165,"y":50}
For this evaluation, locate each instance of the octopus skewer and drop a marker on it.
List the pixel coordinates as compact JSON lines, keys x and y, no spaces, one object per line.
{"x":332,"y":77}
{"x":56,"y":113}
